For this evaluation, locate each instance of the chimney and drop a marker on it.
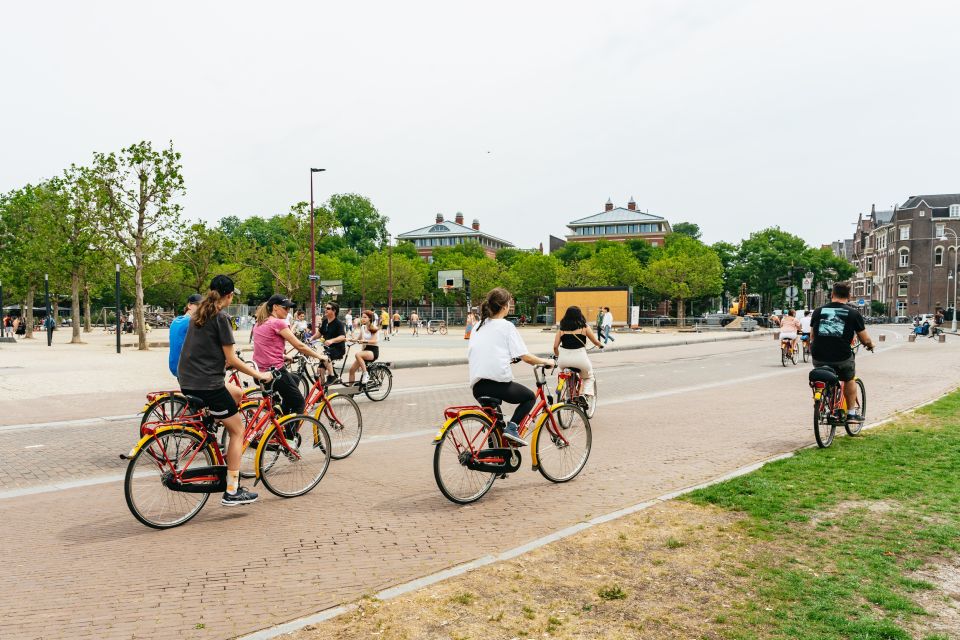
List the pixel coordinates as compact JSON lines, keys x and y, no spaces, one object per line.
{"x":476,"y":224}
{"x":609,"y":205}
{"x":439,"y":218}
{"x":632,"y":205}
{"x":459,"y":218}
{"x":873,"y":209}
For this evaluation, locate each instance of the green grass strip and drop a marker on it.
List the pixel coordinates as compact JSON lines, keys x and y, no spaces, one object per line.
{"x":843,"y":527}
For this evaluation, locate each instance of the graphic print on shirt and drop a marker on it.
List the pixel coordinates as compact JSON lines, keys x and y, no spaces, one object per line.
{"x":832,"y":322}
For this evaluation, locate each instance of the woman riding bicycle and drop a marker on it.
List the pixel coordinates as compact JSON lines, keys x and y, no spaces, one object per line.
{"x":208,"y":349}
{"x":570,"y":346}
{"x":494,"y":342}
{"x":369,"y":332}
{"x":270,"y":337}
{"x":790,"y":328}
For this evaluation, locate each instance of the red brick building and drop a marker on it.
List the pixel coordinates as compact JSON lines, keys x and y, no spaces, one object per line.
{"x":444,"y":233}
{"x":618,"y":224}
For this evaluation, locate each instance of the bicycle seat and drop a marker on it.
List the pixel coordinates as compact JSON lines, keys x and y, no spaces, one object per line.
{"x":826,"y":375}
{"x":573,"y":369}
{"x":487,"y":401}
{"x":194,"y":403}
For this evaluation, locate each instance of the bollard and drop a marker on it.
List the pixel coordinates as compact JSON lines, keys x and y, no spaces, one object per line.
{"x":941,"y":338}
{"x":883,"y":337}
{"x":912,"y":337}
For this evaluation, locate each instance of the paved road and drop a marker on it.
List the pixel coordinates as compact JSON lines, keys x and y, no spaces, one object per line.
{"x":80,"y":565}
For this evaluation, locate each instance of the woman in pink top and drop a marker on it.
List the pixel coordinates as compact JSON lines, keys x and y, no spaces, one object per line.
{"x":270,"y":337}
{"x":790,"y":327}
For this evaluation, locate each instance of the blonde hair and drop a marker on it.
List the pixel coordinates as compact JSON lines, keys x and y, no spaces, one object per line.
{"x":261,"y":314}
{"x":209,"y":307}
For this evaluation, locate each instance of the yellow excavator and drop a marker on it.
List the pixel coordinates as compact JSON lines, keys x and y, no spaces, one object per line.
{"x":746,"y":304}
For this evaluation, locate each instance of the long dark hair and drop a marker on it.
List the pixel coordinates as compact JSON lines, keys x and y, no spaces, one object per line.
{"x":497,"y":300}
{"x":209,"y":307}
{"x":371,"y":317}
{"x":573,"y":319}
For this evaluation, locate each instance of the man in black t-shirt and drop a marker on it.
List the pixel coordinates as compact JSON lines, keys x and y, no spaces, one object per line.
{"x":334,"y":335}
{"x":832,"y":329}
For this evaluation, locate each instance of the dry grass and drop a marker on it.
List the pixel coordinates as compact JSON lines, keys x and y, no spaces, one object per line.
{"x":669,"y":572}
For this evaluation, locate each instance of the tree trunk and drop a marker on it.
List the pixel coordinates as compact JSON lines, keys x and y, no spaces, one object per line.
{"x":75,"y":307}
{"x":87,"y":323}
{"x":681,"y":312}
{"x":28,"y":316}
{"x":138,"y":306}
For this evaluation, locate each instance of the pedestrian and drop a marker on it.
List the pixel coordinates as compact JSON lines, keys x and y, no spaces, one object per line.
{"x":18,"y":327}
{"x":415,"y":323}
{"x":396,"y":322}
{"x":348,"y":321}
{"x":385,"y":323}
{"x":607,"y":326}
{"x":8,"y":326}
{"x":178,"y":331}
{"x":471,"y":320}
{"x":600,"y":322}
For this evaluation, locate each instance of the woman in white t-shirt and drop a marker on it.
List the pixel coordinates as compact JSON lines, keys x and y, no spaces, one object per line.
{"x":494,"y":342}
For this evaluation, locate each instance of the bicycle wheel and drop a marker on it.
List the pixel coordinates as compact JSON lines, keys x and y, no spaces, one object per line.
{"x":443,"y":329}
{"x":854,"y":428}
{"x":793,"y":356}
{"x":458,"y":483}
{"x":248,"y":465}
{"x":591,"y":401}
{"x":563,"y":446}
{"x":823,"y":430}
{"x":806,"y":352}
{"x":341,"y":416}
{"x":783,"y":355}
{"x":167,"y":408}
{"x":293,"y":465}
{"x":379,"y":383}
{"x":303,"y":383}
{"x":148,"y":499}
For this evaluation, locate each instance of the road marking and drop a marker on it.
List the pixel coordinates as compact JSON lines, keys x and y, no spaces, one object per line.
{"x":34,"y":446}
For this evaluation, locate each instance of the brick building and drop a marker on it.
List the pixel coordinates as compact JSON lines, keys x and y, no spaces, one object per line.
{"x":618,"y":224}
{"x":444,"y":233}
{"x":904,"y":256}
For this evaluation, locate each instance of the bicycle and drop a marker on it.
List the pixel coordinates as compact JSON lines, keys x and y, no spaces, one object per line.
{"x":172,"y":470}
{"x":570,"y":388}
{"x":470,"y":451}
{"x":379,"y":377}
{"x":830,"y":405}
{"x":787,"y":352}
{"x":805,"y":346}
{"x":344,"y":421}
{"x":437,"y":326}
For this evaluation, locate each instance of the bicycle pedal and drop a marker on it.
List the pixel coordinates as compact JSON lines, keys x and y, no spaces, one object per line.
{"x":502,"y":476}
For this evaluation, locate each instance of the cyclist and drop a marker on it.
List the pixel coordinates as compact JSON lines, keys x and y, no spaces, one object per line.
{"x":833,"y":327}
{"x":271,"y":334}
{"x":369,"y":333}
{"x":207,"y":350}
{"x":334,"y":334}
{"x":570,"y":345}
{"x":494,"y":342}
{"x":790,"y":328}
{"x":805,"y":326}
{"x":178,"y":331}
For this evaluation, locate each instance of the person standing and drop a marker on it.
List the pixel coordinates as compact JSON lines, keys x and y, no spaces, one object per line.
{"x":607,"y":326}
{"x":600,"y":322}
{"x":8,"y":326}
{"x":396,"y":322}
{"x":348,"y":321}
{"x":207,"y":350}
{"x":385,"y":323}
{"x":178,"y":331}
{"x":415,"y":323}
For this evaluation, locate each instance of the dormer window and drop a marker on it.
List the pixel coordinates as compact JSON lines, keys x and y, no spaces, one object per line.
{"x":955,"y":211}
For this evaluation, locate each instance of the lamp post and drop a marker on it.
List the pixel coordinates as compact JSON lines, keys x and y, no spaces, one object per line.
{"x":911,"y":273}
{"x":313,"y":257}
{"x":956,"y":248}
{"x":116,"y":292}
{"x":46,"y":295}
{"x":389,"y":283}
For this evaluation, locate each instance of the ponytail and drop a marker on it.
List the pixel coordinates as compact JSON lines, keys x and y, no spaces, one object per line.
{"x":495,"y":302}
{"x":261,"y":314}
{"x":209,"y":307}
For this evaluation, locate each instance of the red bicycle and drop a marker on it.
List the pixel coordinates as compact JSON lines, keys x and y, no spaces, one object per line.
{"x":338,"y":411}
{"x":471,"y":452}
{"x":175,"y":467}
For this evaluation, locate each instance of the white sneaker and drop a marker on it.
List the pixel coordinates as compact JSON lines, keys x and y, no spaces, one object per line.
{"x":365,"y":378}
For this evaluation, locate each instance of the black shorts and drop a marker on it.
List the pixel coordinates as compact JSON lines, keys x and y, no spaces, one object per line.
{"x":374,"y":349}
{"x":396,"y":323}
{"x":219,"y":402}
{"x":846,"y":370}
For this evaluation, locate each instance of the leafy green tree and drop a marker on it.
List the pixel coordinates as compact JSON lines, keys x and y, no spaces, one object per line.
{"x":508,"y":255}
{"x":573,"y":252}
{"x":689,"y":229}
{"x":362,"y":227}
{"x":878,"y":308}
{"x":683,"y":270}
{"x":533,"y":276}
{"x":137,"y":190}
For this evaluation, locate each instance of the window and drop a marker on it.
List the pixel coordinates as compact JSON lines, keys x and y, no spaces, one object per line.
{"x":869,"y":263}
{"x":955,"y":211}
{"x":903,"y":283}
{"x":901,"y":307}
{"x":938,"y":257}
{"x":904,"y":258}
{"x":869,"y":287}
{"x":940,"y":229}
{"x":905,"y":232}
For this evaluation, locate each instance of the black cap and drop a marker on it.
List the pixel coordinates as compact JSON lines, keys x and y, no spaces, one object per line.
{"x":194,"y":298}
{"x":223,"y":285}
{"x":276,"y":299}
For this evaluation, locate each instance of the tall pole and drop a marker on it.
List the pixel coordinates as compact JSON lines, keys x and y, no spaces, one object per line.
{"x":1,"y":298}
{"x":953,"y":322}
{"x":117,"y":295}
{"x":313,"y":257}
{"x":389,"y":282}
{"x":46,"y":295}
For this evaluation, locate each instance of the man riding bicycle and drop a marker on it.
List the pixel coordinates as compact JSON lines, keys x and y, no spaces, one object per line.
{"x":805,"y":326}
{"x":833,"y":327}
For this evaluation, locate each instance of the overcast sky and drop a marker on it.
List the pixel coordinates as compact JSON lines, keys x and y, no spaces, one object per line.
{"x":526,"y":115}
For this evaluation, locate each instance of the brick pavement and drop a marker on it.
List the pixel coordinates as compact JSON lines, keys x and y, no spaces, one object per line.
{"x":80,"y":564}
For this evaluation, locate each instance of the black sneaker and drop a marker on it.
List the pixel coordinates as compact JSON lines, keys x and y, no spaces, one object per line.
{"x":242,"y":496}
{"x":332,"y":380}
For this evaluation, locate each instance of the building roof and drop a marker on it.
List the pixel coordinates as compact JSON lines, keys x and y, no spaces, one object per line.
{"x":616,"y":215}
{"x":884,"y":217}
{"x":448,"y":228}
{"x":941,"y":200}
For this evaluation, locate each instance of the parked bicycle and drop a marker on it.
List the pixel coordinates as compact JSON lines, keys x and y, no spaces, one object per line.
{"x":172,"y":470}
{"x":471,"y":453}
{"x":437,"y":326}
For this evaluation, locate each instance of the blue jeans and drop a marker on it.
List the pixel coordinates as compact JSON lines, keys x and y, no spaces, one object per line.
{"x":605,"y":334}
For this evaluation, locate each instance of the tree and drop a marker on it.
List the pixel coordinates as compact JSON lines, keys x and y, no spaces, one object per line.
{"x":878,"y":308}
{"x":689,"y":229}
{"x":684,"y":269}
{"x":360,"y":224}
{"x":533,"y":276}
{"x":137,"y":188}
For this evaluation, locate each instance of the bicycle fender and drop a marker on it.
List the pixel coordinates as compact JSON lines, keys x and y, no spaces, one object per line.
{"x":452,"y":421}
{"x":534,"y":460}
{"x":159,"y":396}
{"x":169,"y":427}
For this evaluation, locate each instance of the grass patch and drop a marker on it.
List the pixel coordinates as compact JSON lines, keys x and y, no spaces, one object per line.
{"x":613,"y":592}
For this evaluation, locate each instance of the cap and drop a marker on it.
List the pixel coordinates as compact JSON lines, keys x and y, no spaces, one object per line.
{"x":276,"y":299}
{"x":194,"y":298}
{"x":223,"y":285}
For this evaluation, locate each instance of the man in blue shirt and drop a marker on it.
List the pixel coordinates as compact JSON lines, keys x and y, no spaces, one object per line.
{"x":178,"y":331}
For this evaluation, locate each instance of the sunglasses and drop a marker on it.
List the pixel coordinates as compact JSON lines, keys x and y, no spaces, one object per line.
{"x":328,"y":308}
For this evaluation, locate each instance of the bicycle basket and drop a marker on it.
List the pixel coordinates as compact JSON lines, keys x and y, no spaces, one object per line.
{"x":826,"y":375}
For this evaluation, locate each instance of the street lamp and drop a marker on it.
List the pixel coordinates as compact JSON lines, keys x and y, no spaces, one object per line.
{"x":313,"y":258}
{"x":956,"y":248}
{"x":389,"y":282}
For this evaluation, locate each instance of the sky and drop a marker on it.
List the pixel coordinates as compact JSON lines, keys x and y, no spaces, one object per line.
{"x":526,"y":115}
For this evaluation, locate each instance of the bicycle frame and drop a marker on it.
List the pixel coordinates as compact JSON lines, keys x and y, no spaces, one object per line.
{"x":836,"y":398}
